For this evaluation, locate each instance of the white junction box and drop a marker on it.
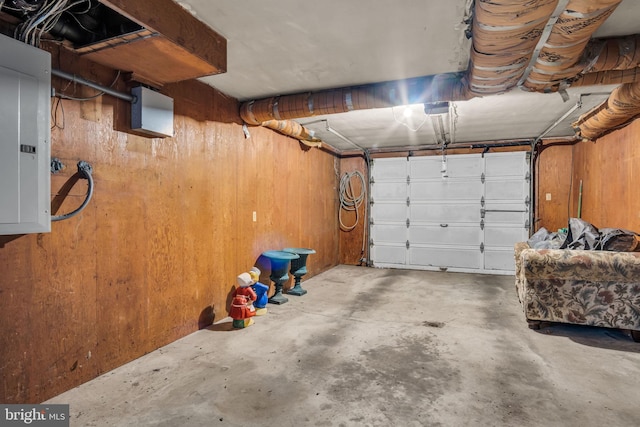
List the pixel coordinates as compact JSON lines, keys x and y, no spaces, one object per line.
{"x":25,"y":138}
{"x":151,"y":112}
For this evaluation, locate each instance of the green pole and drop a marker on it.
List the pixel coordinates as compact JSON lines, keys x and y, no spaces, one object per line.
{"x":580,"y":201}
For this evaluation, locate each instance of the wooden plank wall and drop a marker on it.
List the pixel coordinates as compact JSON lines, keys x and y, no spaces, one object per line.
{"x":351,"y":248}
{"x":553,"y":179}
{"x":610,"y":173}
{"x":608,"y":169}
{"x":155,"y":254}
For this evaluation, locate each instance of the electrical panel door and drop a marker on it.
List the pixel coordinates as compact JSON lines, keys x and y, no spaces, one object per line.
{"x":25,"y":99}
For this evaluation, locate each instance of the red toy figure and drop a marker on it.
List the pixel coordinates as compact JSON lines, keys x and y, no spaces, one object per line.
{"x":242,"y":309}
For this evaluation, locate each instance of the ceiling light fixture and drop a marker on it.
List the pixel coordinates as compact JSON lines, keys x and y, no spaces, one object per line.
{"x":410,"y":116}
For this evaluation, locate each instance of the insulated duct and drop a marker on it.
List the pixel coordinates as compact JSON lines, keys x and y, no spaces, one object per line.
{"x":560,"y":56}
{"x":616,"y":61}
{"x":505,"y":34}
{"x":620,"y":53}
{"x":612,"y":77}
{"x":428,"y":89}
{"x":611,"y":61}
{"x":622,"y":106}
{"x":292,"y":129}
{"x":542,"y":45}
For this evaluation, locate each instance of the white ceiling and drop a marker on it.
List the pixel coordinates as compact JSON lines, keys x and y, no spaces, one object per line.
{"x":280,"y":47}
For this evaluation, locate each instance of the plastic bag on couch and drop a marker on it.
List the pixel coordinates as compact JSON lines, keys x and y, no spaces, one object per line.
{"x":619,"y":240}
{"x":581,"y":235}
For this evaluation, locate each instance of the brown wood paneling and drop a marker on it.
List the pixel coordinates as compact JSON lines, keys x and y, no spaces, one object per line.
{"x":553,"y":178}
{"x":351,"y":241}
{"x":156,"y":253}
{"x":609,"y":169}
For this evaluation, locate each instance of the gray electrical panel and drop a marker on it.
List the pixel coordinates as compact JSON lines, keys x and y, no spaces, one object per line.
{"x":25,"y":152}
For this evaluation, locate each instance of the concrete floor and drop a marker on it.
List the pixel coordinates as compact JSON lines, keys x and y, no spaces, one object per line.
{"x":376,"y":347}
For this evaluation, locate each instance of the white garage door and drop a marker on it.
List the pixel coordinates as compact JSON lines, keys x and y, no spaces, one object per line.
{"x":467,"y":220}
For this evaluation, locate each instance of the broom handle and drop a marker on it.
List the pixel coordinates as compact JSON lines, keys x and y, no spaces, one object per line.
{"x":580,"y":201}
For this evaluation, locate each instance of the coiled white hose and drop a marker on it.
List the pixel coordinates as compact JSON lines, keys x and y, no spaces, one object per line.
{"x":350,"y":201}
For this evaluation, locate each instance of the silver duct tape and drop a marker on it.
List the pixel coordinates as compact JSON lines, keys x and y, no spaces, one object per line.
{"x":501,"y":68}
{"x":548,"y":45}
{"x":545,"y":82}
{"x":497,"y":78}
{"x":276,"y":113}
{"x":310,"y":104}
{"x":564,"y":67}
{"x":348,"y":101}
{"x":562,"y":5}
{"x":489,"y":88}
{"x":252,"y":116}
{"x":498,"y":28}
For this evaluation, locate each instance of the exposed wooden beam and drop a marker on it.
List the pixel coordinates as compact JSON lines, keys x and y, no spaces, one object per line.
{"x":177,"y":25}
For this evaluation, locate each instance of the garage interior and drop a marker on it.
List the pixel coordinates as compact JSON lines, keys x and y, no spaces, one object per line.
{"x":340,"y":127}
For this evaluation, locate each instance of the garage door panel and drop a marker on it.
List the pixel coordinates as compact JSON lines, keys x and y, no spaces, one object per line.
{"x":382,"y":254}
{"x":449,"y":235}
{"x":389,"y":233}
{"x":499,"y":259}
{"x":390,"y":169}
{"x":508,"y":189}
{"x":506,"y":213}
{"x":461,"y":166}
{"x":389,"y":212}
{"x":510,"y":218}
{"x":505,"y":164}
{"x":446,"y":257}
{"x":464,"y":167}
{"x":445,"y":212}
{"x":389,"y":191}
{"x":425,"y":168}
{"x":504,"y":236}
{"x":445,"y":190}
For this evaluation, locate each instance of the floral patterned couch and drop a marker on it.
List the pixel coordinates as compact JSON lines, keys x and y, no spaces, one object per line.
{"x":597,"y":288}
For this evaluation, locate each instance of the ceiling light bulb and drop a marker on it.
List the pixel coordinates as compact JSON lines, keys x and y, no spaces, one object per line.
{"x":408,"y":112}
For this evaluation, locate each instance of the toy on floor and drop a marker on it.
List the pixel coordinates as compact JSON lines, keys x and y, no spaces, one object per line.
{"x":242,"y":309}
{"x":261,"y":291}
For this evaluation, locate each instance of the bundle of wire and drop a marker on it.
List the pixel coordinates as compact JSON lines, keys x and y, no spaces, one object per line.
{"x":44,"y":19}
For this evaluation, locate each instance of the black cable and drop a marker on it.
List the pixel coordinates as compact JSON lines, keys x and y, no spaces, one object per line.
{"x":55,"y":106}
{"x":85,"y":170}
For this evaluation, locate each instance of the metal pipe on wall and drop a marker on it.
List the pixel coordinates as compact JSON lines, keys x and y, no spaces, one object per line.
{"x":107,"y":90}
